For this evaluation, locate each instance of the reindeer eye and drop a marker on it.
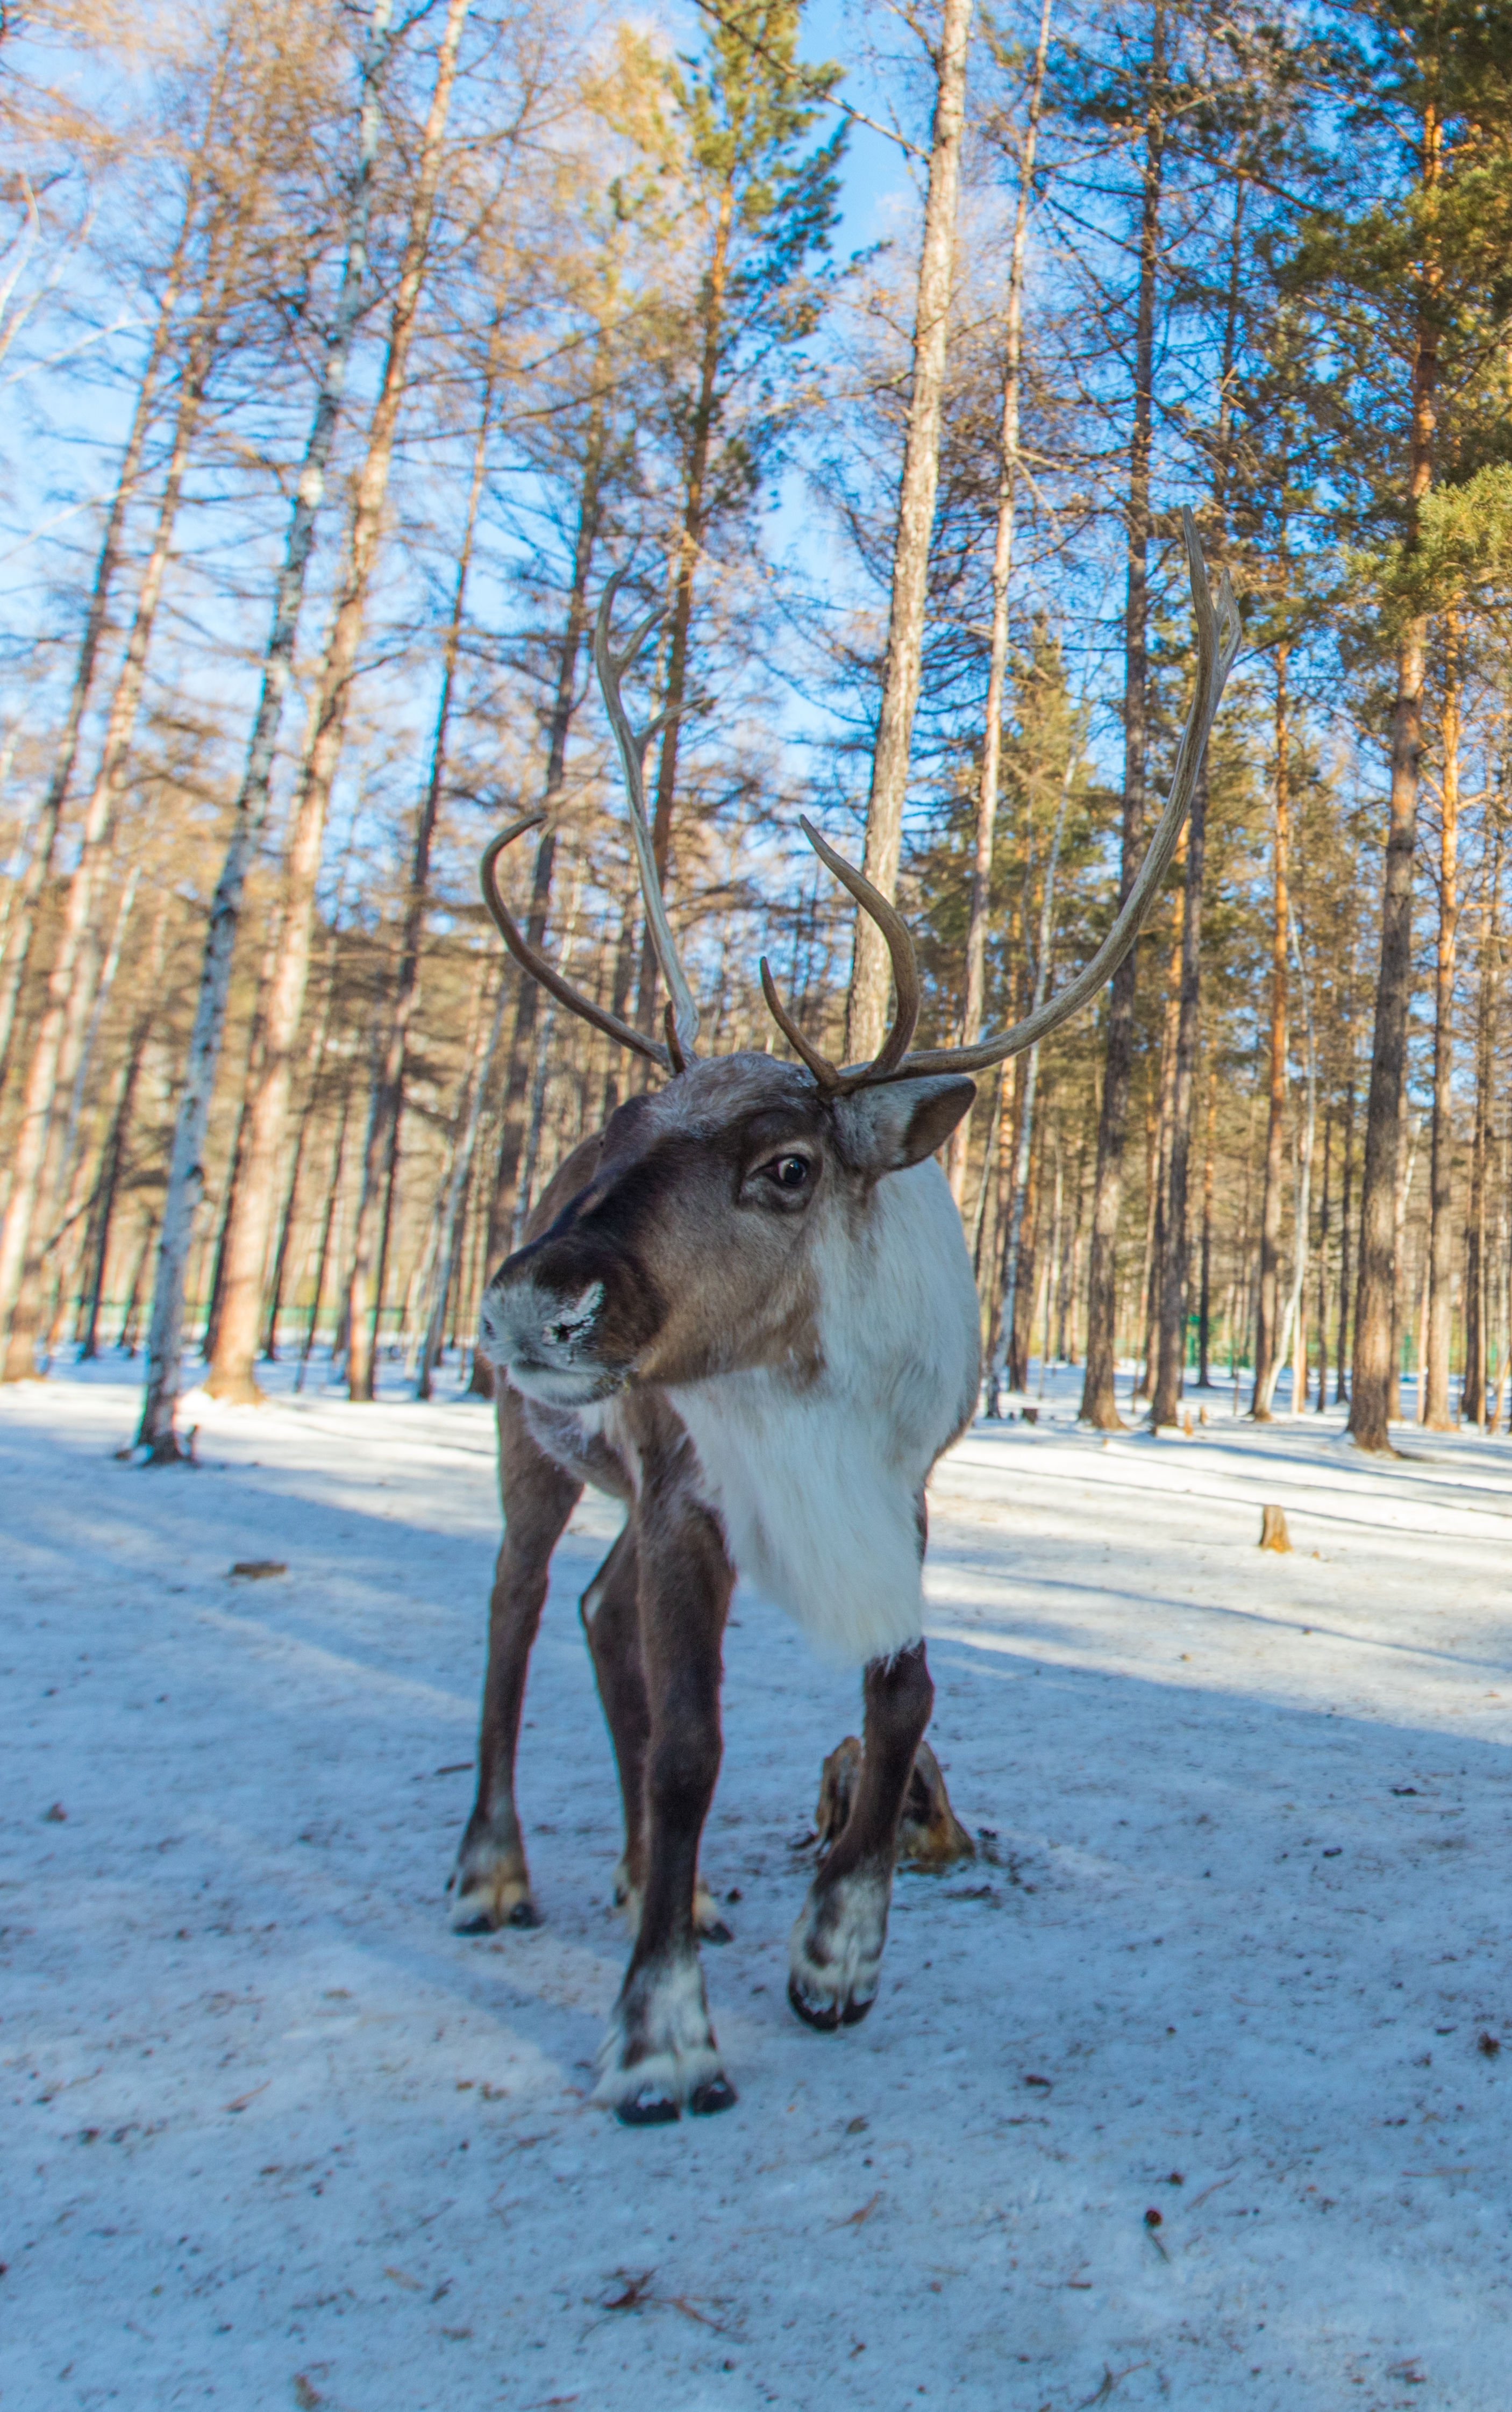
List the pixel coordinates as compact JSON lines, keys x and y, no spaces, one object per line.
{"x":789,"y":1172}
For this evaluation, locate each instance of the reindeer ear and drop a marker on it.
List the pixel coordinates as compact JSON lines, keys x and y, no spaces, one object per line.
{"x":901,"y":1122}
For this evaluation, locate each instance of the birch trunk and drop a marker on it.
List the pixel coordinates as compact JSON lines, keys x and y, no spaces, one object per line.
{"x":186,"y":1176}
{"x":21,"y":930}
{"x":73,"y":982}
{"x":1407,"y":1165}
{"x":1297,"y":1295}
{"x":871,"y":967}
{"x":231,"y":1374}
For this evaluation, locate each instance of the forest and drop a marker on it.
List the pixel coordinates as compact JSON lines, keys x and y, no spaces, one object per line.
{"x":351,"y":349}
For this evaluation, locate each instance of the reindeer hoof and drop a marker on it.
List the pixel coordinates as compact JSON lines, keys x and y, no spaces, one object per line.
{"x":650,"y":2109}
{"x":489,"y":1900}
{"x":659,"y":2056}
{"x":822,"y":2016}
{"x":835,"y":1949}
{"x":708,"y":1923}
{"x":718,"y":2095}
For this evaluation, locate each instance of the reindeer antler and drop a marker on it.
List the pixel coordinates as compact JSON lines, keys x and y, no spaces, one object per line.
{"x":536,"y":964}
{"x":682,"y":1014}
{"x":905,"y":976}
{"x":1218,"y":641}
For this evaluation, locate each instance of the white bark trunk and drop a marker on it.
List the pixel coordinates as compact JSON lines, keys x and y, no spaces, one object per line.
{"x":186,"y":1175}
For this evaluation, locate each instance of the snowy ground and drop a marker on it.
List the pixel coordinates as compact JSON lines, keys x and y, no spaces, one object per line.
{"x":1180,"y":2096}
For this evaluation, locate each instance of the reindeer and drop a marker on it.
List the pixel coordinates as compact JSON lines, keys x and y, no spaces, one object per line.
{"x":745,"y":1309}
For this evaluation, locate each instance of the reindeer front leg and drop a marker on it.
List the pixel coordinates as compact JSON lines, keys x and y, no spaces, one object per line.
{"x":659,"y":2056}
{"x":611,"y":1612}
{"x":490,"y":1881}
{"x":835,"y":1953}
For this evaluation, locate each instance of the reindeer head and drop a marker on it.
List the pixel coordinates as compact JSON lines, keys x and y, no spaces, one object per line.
{"x":724,"y":1211}
{"x":708,"y":1231}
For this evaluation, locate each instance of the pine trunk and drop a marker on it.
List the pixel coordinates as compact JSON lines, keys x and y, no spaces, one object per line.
{"x":1477,"y":1282}
{"x":379,"y":1169}
{"x":453,"y":1215}
{"x":1099,"y":1400}
{"x":1266,"y":1336}
{"x":1205,"y":1292}
{"x":870,"y":967}
{"x":1341,"y":1385}
{"x":1440,"y":1246}
{"x":1171,"y":1364}
{"x":1374,"y":1309}
{"x":989,"y":781}
{"x":527,"y":997}
{"x":1323,"y":1204}
{"x":327,"y":1220}
{"x":711,"y":310}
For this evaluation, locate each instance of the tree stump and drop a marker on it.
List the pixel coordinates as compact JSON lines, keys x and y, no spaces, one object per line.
{"x":1274,"y":1533}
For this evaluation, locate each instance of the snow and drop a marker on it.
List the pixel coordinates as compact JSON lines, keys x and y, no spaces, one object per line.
{"x":275,"y":2136}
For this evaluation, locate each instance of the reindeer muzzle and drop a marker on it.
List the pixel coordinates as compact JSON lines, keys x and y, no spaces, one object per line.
{"x":565,"y":1333}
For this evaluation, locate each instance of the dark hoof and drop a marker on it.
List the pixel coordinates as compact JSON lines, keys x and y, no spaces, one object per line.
{"x":716,"y":1933}
{"x":823,"y":2016}
{"x":854,"y":2012}
{"x":718,"y":2095}
{"x":524,"y":1913}
{"x":482,"y":1924}
{"x":646,"y":2111}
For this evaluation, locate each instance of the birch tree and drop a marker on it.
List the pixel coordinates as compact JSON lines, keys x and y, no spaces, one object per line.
{"x":185,"y":1183}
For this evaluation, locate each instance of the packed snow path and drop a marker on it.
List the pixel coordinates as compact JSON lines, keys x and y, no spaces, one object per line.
{"x":1187,"y":2092}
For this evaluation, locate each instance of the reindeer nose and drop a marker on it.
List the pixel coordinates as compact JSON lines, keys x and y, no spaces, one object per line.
{"x":573,"y":1319}
{"x":543,"y":1336}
